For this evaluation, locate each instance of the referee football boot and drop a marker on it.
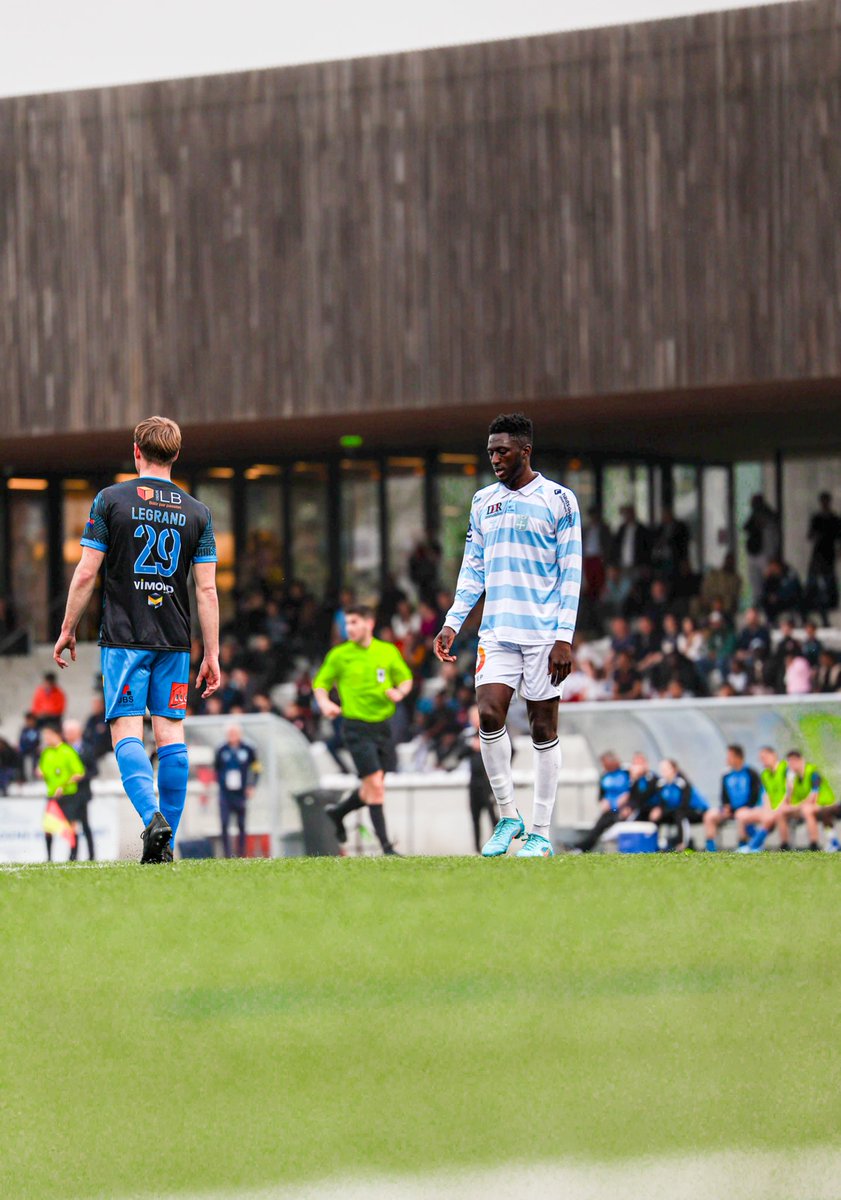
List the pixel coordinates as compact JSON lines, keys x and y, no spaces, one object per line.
{"x":155,"y":838}
{"x":507,"y":828}
{"x":332,"y":811}
{"x":536,"y":846}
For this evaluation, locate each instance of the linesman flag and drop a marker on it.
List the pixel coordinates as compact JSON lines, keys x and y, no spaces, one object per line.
{"x":55,"y":822}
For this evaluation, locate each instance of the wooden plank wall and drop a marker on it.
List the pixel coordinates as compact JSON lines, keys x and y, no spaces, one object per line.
{"x":655,"y":206}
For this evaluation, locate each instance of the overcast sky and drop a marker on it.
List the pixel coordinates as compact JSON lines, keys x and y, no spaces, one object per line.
{"x":56,"y":45}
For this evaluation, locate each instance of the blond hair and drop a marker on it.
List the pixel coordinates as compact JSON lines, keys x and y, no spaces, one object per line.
{"x":158,"y":439}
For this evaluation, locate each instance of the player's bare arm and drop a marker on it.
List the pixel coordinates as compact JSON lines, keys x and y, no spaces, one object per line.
{"x":443,"y":642}
{"x":560,"y":662}
{"x":78,"y":598}
{"x":207,"y":603}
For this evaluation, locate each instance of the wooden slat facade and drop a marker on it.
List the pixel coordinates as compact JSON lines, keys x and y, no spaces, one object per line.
{"x":633,"y":209}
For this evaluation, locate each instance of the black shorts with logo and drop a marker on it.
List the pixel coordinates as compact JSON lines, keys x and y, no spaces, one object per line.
{"x":370,"y":745}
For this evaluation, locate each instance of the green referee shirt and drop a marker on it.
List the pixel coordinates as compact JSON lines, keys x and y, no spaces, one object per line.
{"x":58,"y":765}
{"x":774,"y":783}
{"x":362,"y":674}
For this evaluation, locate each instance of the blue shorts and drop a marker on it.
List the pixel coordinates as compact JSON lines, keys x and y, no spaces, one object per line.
{"x":135,"y":679}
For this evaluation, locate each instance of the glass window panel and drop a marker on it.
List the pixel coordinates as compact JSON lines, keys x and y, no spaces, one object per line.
{"x":263,"y":559}
{"x":77,"y":498}
{"x":459,"y":478}
{"x":406,"y":514}
{"x":686,"y":504}
{"x":310,"y":562}
{"x":803,"y":480}
{"x":28,"y":536}
{"x":361,"y":551}
{"x":625,"y":483}
{"x":216,"y":492}
{"x":716,"y":493}
{"x":749,"y":479}
{"x":573,"y":473}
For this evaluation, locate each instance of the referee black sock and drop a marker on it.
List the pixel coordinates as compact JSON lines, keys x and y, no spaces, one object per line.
{"x":350,"y":804}
{"x":375,"y":811}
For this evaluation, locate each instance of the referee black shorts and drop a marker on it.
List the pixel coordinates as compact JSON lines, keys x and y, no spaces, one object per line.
{"x":370,"y":745}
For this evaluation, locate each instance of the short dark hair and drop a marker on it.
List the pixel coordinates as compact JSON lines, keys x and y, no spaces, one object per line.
{"x":736,"y":749}
{"x":360,"y":610}
{"x":518,"y":425}
{"x":794,"y":754}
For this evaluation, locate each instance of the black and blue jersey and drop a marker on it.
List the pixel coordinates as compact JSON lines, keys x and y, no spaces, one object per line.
{"x":680,"y":798}
{"x":613,"y":785}
{"x":151,"y":532}
{"x":741,"y":789}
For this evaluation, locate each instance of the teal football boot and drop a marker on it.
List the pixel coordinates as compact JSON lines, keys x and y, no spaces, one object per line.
{"x":536,"y":847}
{"x":506,"y":830}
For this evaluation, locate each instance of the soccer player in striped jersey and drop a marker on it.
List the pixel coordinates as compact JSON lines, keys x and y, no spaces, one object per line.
{"x":523,"y":552}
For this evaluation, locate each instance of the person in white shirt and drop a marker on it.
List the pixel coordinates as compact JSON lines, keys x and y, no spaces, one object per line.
{"x":523,"y":552}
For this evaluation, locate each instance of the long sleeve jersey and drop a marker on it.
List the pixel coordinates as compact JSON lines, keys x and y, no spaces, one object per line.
{"x":523,"y":551}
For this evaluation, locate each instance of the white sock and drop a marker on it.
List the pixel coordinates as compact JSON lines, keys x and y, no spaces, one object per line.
{"x":496,"y":755}
{"x":547,"y":766}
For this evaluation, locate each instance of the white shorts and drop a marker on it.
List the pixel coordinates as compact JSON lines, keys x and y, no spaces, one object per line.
{"x":523,"y":668}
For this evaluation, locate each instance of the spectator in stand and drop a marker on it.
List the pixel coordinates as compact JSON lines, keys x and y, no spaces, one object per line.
{"x":302,"y":712}
{"x":782,"y":591}
{"x":784,"y":649}
{"x":722,"y":584}
{"x":692,"y":641}
{"x":423,"y":568}
{"x":811,"y":646}
{"x":658,"y":605}
{"x":648,"y":646}
{"x":677,"y":803}
{"x":614,"y":789}
{"x":798,"y":675}
{"x":721,"y":642}
{"x":670,"y":544}
{"x":96,"y":735}
{"x":29,"y":745}
{"x":755,"y":636}
{"x":597,"y":552}
{"x":622,"y":639}
{"x":49,"y":701}
{"x":828,"y":674}
{"x":685,"y":588}
{"x":615,"y":592}
{"x":741,"y":797}
{"x":822,"y":582}
{"x":762,"y":542}
{"x":10,"y":765}
{"x":406,"y":624}
{"x":262,"y":703}
{"x":626,"y":679}
{"x":631,"y":544}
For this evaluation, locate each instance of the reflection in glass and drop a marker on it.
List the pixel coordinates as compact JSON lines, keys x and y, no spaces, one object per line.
{"x":405,"y":496}
{"x":77,"y":498}
{"x":716,"y":493}
{"x":216,"y":492}
{"x":360,"y":508}
{"x":625,"y":484}
{"x":686,"y":504}
{"x":28,"y":536}
{"x":263,"y":558}
{"x":309,"y":526}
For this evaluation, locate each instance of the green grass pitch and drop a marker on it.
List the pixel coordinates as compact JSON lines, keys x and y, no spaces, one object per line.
{"x":270,"y":1022}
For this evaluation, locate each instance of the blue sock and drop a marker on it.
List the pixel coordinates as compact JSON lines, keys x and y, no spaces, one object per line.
{"x":173,"y":769}
{"x":137,"y":776}
{"x":711,"y":843}
{"x":758,"y":839}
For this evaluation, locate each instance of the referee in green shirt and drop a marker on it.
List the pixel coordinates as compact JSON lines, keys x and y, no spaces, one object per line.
{"x":371,"y":678}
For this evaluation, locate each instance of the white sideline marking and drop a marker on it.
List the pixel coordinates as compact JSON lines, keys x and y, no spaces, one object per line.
{"x":728,"y":1175}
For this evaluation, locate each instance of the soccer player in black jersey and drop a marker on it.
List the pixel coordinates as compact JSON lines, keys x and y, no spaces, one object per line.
{"x":149,"y":533}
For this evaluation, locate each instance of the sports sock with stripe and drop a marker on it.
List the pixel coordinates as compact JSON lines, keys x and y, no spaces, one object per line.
{"x":496,"y":755}
{"x":547,"y":767}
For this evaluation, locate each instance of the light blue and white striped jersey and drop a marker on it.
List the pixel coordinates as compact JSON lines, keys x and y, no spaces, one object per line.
{"x":523,"y":551}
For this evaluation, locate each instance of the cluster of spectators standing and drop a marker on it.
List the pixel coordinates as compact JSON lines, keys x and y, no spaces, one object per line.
{"x":783,"y":793}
